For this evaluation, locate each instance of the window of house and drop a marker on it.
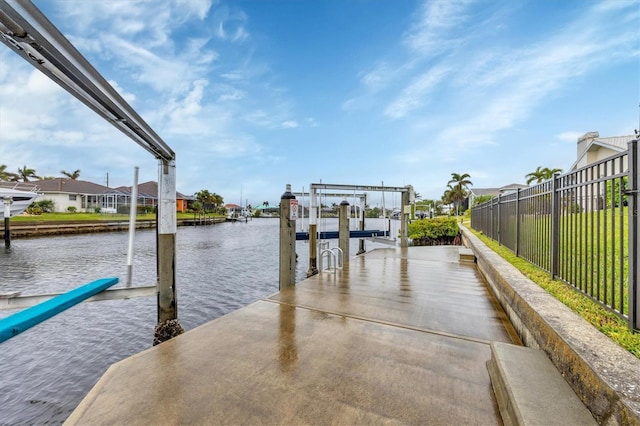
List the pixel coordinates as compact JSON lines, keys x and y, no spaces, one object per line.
{"x":72,"y":197}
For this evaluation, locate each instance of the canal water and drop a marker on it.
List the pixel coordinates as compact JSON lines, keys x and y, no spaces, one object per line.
{"x":46,"y":371}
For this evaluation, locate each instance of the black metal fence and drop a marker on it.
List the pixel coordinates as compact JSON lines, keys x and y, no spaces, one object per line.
{"x":582,"y":227}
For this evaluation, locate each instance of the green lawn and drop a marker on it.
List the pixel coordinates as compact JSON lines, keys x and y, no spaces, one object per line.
{"x":604,"y":320}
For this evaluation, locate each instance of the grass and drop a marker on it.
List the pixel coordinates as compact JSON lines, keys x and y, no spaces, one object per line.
{"x":604,"y":320}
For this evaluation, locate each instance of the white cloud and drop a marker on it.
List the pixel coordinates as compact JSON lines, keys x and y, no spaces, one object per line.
{"x":290,"y":124}
{"x":415,"y":95}
{"x":433,"y":32}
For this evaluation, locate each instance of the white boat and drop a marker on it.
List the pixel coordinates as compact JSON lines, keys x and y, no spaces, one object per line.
{"x":20,"y":199}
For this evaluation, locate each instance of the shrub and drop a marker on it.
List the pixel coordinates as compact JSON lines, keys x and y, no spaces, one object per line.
{"x":72,"y":209}
{"x":436,"y":231}
{"x":97,"y":210}
{"x":34,"y":209}
{"x":45,"y":205}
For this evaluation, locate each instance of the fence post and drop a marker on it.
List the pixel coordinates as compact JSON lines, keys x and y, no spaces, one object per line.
{"x":491,"y":235}
{"x":634,"y":239}
{"x":555,"y":227}
{"x":499,"y":222}
{"x":517,"y":251}
{"x":288,"y":216}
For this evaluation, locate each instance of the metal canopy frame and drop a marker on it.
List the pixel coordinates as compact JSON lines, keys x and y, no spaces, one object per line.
{"x":27,"y":32}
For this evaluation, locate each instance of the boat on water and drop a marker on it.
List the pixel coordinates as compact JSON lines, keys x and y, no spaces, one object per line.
{"x":21,"y":197}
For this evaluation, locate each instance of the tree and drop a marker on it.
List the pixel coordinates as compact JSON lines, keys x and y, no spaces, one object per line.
{"x":457,"y":191}
{"x":480,"y":199}
{"x":71,"y":175}
{"x":205,"y":198}
{"x":25,"y":173}
{"x":541,"y":174}
{"x":217,"y":200}
{"x":5,"y":175}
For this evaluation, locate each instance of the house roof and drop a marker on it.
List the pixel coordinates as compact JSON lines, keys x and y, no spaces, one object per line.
{"x":595,"y":142}
{"x":150,"y":190}
{"x":477,"y":192}
{"x":232,"y":206}
{"x":72,"y":186}
{"x":512,"y":187}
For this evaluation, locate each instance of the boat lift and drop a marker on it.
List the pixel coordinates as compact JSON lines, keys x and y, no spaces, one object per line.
{"x":28,"y":33}
{"x":408,"y":196}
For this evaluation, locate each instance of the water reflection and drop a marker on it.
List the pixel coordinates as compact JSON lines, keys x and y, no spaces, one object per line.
{"x":219,"y":269}
{"x":287,"y":347}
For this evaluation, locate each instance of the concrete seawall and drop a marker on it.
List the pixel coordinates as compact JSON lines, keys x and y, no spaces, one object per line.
{"x":44,"y":228}
{"x":605,"y":376}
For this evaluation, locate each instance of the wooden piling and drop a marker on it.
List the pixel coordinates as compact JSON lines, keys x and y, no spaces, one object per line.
{"x":288,"y":216}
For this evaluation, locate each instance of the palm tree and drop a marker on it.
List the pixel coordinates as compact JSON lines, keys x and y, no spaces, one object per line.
{"x":458,"y":185}
{"x":205,"y":198}
{"x":71,"y":175}
{"x":541,"y":174}
{"x":25,"y":173}
{"x":217,"y":200}
{"x":5,"y":175}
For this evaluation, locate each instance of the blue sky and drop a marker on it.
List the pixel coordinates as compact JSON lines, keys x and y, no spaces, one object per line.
{"x":255,"y":94}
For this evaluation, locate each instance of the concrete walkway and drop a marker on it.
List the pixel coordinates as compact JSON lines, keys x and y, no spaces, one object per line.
{"x":401,"y":336}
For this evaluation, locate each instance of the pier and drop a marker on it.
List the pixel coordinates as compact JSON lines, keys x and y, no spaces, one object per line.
{"x":401,"y":335}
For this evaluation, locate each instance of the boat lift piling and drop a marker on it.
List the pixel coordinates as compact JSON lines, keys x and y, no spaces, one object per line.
{"x":343,"y":234}
{"x":363,"y":205}
{"x":288,"y":216}
{"x":7,"y":223}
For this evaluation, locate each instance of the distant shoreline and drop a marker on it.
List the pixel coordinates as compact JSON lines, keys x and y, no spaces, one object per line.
{"x":43,"y":228}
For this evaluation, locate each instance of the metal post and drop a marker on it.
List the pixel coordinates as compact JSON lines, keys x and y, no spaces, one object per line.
{"x":133,"y":210}
{"x":499,"y":221}
{"x":343,"y":234}
{"x":634,"y":237}
{"x":7,"y":223}
{"x":288,"y":216}
{"x":363,"y":204}
{"x":555,"y":227}
{"x":313,"y":234}
{"x":517,"y":251}
{"x":404,"y":216}
{"x":167,"y":229}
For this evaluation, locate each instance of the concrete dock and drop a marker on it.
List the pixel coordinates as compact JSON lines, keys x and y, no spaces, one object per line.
{"x":400,"y":336}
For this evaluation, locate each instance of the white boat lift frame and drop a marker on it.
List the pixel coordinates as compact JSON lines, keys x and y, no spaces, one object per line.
{"x":407,"y":193}
{"x":27,"y":32}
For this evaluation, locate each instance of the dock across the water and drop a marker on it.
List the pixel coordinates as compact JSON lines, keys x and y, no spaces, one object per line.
{"x":402,"y":335}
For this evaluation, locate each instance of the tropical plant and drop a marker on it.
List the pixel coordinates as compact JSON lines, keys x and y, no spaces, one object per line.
{"x":71,"y":175}
{"x":205,"y":199}
{"x":541,"y":174}
{"x":47,"y":206}
{"x":218,"y":201}
{"x":480,"y":199}
{"x":5,"y":175}
{"x":457,"y":189}
{"x":25,"y":173}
